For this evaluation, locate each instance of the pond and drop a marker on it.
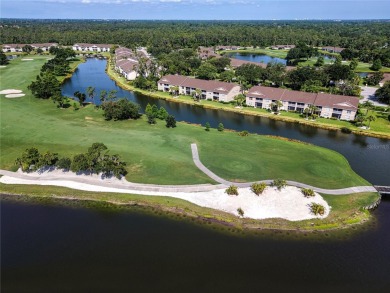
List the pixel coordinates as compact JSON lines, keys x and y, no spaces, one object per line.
{"x":51,"y":248}
{"x":368,"y":156}
{"x":260,"y":58}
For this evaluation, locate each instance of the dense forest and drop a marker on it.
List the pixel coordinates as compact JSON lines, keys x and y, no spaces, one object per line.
{"x":165,"y":36}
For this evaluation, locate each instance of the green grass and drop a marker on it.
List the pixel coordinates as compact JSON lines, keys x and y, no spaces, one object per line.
{"x":155,"y":154}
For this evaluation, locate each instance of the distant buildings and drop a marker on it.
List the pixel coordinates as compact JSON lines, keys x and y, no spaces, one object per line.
{"x":328,"y":106}
{"x":331,"y":49}
{"x":282,"y":47}
{"x":210,"y":89}
{"x":84,"y":47}
{"x":127,"y":62}
{"x":13,"y":48}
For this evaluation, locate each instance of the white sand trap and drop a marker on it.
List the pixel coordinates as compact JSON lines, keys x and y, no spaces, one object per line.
{"x":2,"y":66}
{"x":10,"y":91}
{"x":11,"y":96}
{"x":27,"y":59}
{"x":289,"y":203}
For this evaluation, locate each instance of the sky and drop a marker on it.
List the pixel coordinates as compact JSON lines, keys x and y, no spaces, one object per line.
{"x":196,"y":9}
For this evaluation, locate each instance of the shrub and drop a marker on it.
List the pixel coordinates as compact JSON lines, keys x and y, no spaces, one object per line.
{"x":317,"y":209}
{"x":232,"y":190}
{"x":307,"y":192}
{"x":243,"y":133}
{"x":207,"y":126}
{"x":258,"y":188}
{"x":64,"y":163}
{"x":221,"y":127}
{"x":29,"y":159}
{"x":121,"y":110}
{"x":279,"y":184}
{"x":171,"y":121}
{"x":240,"y":212}
{"x":346,"y":130}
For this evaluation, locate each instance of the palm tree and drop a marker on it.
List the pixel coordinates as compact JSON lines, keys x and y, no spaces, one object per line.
{"x":306,"y":111}
{"x":174,"y":90}
{"x":239,"y":99}
{"x":91,"y":93}
{"x":103,"y":96}
{"x":197,"y":93}
{"x":112,"y":95}
{"x":370,"y":118}
{"x":368,"y":105}
{"x":81,"y":97}
{"x":359,"y":119}
{"x":277,"y":104}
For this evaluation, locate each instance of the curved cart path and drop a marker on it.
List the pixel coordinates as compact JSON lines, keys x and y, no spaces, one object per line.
{"x":123,"y":184}
{"x":208,"y":172}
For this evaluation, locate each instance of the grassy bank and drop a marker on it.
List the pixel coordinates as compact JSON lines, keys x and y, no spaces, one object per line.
{"x":346,"y":209}
{"x":378,"y":128}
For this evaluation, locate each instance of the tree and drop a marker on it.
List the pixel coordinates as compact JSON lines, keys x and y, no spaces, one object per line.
{"x":383,"y":93}
{"x":375,"y":78}
{"x":64,"y":163}
{"x":197,"y":94}
{"x":39,"y":51}
{"x":151,"y":119}
{"x":206,"y":71}
{"x":338,"y":60}
{"x":121,"y":109}
{"x":79,"y":163}
{"x":276,"y":105}
{"x":354,"y":63}
{"x":48,"y":159}
{"x":3,"y":58}
{"x":227,"y":75}
{"x":240,"y":212}
{"x":320,"y":61}
{"x":240,"y":99}
{"x":207,"y":126}
{"x":220,"y":127}
{"x":376,"y":65}
{"x":45,"y":86}
{"x":359,"y":119}
{"x":91,"y":93}
{"x":112,"y":95}
{"x":306,"y":111}
{"x":81,"y":97}
{"x":103,"y":96}
{"x":27,"y":49}
{"x":250,"y":73}
{"x":368,"y":105}
{"x":59,"y":99}
{"x":174,"y":90}
{"x":171,"y":121}
{"x":162,"y":113}
{"x":371,"y":117}
{"x":30,"y":157}
{"x":317,"y":209}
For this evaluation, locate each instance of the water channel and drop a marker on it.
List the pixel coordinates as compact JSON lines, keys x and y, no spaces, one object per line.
{"x":369,"y":157}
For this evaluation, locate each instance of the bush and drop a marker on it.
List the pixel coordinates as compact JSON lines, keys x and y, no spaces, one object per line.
{"x":29,"y":159}
{"x":317,"y":209}
{"x":171,"y":121}
{"x":64,"y":163}
{"x":346,"y":130}
{"x":207,"y":126}
{"x":121,"y":110}
{"x":258,"y":188}
{"x":243,"y":133}
{"x":221,"y":127}
{"x":307,"y":192}
{"x":232,"y":190}
{"x":240,"y":212}
{"x":279,"y":184}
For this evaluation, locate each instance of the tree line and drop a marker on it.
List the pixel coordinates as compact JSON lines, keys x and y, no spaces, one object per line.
{"x":95,"y":161}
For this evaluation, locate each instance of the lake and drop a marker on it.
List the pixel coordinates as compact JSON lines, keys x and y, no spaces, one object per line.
{"x":51,"y":248}
{"x":368,"y":156}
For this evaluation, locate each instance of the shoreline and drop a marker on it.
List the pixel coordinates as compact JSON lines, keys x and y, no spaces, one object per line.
{"x":114,"y":76}
{"x":201,"y":216}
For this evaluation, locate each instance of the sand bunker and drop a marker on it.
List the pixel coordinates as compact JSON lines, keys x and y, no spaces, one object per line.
{"x":10,"y":91}
{"x":27,"y":59}
{"x":2,"y":66}
{"x":10,"y":96}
